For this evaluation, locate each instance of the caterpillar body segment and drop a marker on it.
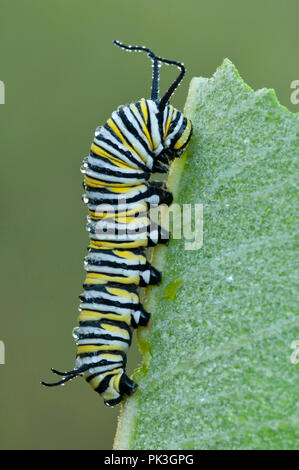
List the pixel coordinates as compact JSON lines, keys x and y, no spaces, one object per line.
{"x":128,"y":266}
{"x":138,"y":140}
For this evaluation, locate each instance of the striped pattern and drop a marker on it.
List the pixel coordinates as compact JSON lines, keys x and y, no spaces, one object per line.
{"x":138,"y":140}
{"x":135,"y":142}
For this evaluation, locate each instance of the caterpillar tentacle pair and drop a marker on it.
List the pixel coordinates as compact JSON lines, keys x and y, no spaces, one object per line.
{"x":138,"y":140}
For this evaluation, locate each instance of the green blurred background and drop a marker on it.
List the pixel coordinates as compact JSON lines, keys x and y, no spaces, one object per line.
{"x":64,"y":77}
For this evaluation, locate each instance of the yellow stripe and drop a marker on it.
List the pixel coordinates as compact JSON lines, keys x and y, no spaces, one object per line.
{"x":88,"y":348}
{"x":116,"y":329}
{"x":117,"y":131}
{"x":143,"y":125}
{"x":96,"y":278}
{"x":168,"y":121}
{"x":184,"y":137}
{"x":130,"y":256}
{"x":138,"y":220}
{"x":123,"y":293}
{"x":125,"y":189}
{"x":116,"y":381}
{"x":98,"y":183}
{"x":97,"y":380}
{"x":141,"y":207}
{"x":95,"y":316}
{"x":101,"y":153}
{"x":144,"y":111}
{"x":90,"y":279}
{"x":97,"y":244}
{"x":116,"y":357}
{"x":100,"y":215}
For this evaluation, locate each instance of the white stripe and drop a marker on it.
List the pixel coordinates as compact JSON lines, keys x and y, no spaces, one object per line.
{"x":123,"y":345}
{"x":105,"y":163}
{"x":146,"y":276}
{"x":155,"y":133}
{"x":94,"y":294}
{"x":100,"y":370}
{"x":109,"y":136}
{"x":102,"y":257}
{"x":135,"y":144}
{"x":82,"y":361}
{"x":130,"y":115}
{"x":175,"y":131}
{"x":165,"y":117}
{"x":93,"y":330}
{"x":98,"y":307}
{"x":113,"y":271}
{"x":113,"y":179}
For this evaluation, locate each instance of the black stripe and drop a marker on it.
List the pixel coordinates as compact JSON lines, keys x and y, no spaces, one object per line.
{"x":179,"y":133}
{"x":111,"y":303}
{"x":103,"y":336}
{"x":102,"y":323}
{"x":173,"y":123}
{"x":148,"y":123}
{"x":137,"y":121}
{"x":126,"y":153}
{"x":133,"y":131}
{"x":160,"y":123}
{"x":135,"y":251}
{"x":99,"y":323}
{"x":125,"y":137}
{"x":113,"y":214}
{"x":189,"y":137}
{"x":118,"y":245}
{"x":118,"y":173}
{"x":115,"y":264}
{"x":139,"y":197}
{"x":114,"y":352}
{"x":101,"y":363}
{"x":104,"y":384}
{"x":114,"y":285}
{"x":118,"y":228}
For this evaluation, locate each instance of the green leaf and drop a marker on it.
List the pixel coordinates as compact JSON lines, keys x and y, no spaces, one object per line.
{"x":217,"y":371}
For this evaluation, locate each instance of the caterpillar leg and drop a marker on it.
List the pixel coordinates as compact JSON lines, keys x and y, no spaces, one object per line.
{"x":150,"y":276}
{"x":140,"y":318}
{"x":126,"y":387}
{"x":158,"y":194}
{"x":154,"y":192}
{"x":113,"y":402}
{"x":121,"y":266}
{"x":112,"y":385}
{"x":158,"y":235}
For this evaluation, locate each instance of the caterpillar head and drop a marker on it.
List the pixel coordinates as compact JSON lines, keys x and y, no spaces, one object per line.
{"x":175,"y":129}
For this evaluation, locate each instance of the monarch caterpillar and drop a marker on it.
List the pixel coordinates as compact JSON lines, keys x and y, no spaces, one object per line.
{"x":137,"y":140}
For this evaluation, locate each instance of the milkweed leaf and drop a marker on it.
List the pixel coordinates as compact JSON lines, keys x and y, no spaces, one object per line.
{"x":217,"y":370}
